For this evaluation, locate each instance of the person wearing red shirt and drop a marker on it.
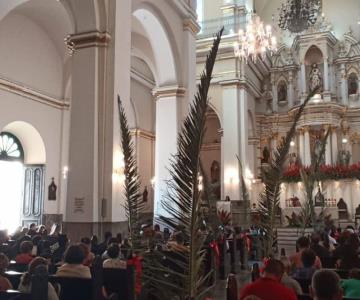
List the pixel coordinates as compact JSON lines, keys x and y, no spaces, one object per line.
{"x":269,"y":286}
{"x":25,"y":256}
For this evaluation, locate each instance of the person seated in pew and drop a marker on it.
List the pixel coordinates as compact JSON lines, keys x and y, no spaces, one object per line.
{"x":73,"y":266}
{"x":114,"y":262}
{"x":112,"y":240}
{"x":351,"y":286}
{"x":4,"y":282}
{"x":286,"y":279}
{"x":25,"y":281}
{"x":269,"y":287}
{"x":325,"y":285}
{"x":25,"y":255}
{"x":308,"y":258}
{"x":303,"y":243}
{"x":349,"y":253}
{"x":319,"y":250}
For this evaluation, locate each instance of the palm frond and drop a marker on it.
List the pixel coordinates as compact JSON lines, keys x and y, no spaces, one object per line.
{"x":182,"y":203}
{"x":245,"y":194}
{"x":270,"y":197}
{"x":133,"y":200}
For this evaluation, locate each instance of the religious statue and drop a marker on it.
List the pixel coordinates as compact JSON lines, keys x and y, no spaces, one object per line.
{"x":145,"y":195}
{"x":319,"y":199}
{"x":315,"y":77}
{"x":282,"y":92}
{"x":344,"y":157}
{"x":265,"y":156}
{"x":317,"y":150}
{"x":52,"y":190}
{"x":215,"y":186}
{"x":342,"y":207}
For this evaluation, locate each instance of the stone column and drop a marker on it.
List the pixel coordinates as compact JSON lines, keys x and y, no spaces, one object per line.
{"x":221,"y":133}
{"x":334,"y":145}
{"x":301,"y":146}
{"x":303,"y":81}
{"x":344,"y":90}
{"x":235,"y":135}
{"x":274,"y":94}
{"x":328,"y":147}
{"x":327,"y":93}
{"x":290,"y":93}
{"x":307,"y":152}
{"x":168,"y":117}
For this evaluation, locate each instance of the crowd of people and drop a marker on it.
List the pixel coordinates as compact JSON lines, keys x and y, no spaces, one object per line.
{"x":312,"y":270}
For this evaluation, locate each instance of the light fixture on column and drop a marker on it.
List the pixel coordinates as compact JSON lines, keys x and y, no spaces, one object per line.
{"x":118,"y":167}
{"x":65,"y":171}
{"x":344,"y":140}
{"x":298,"y":15}
{"x":152,"y":182}
{"x":255,"y":41}
{"x":231,"y":176}
{"x":292,"y":144}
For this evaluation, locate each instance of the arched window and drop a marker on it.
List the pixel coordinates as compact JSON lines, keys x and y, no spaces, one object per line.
{"x":10,"y":147}
{"x":282,"y":92}
{"x":353,"y":84}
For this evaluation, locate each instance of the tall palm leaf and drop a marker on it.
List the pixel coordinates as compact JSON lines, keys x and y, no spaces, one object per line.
{"x":308,"y":215}
{"x":182,"y":203}
{"x":244,"y":193}
{"x":133,"y":200}
{"x":272,"y":177}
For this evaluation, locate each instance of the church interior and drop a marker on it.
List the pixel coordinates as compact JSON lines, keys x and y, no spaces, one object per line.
{"x":281,"y":132}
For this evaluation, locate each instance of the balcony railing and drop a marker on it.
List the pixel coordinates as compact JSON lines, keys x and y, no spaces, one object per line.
{"x":231,"y":25}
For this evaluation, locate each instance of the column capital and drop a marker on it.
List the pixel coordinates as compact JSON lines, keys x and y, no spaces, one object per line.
{"x":333,"y":128}
{"x":192,"y":26}
{"x":87,"y":40}
{"x":301,"y":130}
{"x":168,"y":91}
{"x":306,"y":128}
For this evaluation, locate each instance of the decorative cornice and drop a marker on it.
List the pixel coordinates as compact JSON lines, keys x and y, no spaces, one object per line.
{"x":32,"y":94}
{"x":168,"y":91}
{"x":191,"y":26}
{"x":142,"y":134}
{"x":87,"y":40}
{"x":142,"y":79}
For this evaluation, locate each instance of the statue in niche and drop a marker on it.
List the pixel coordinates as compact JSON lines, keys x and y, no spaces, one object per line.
{"x":215,"y":186}
{"x":342,"y":207}
{"x":282,"y":92}
{"x":315,"y":77}
{"x":344,"y":157}
{"x":319,"y":199}
{"x":317,"y":150}
{"x":293,"y":159}
{"x":265,"y":156}
{"x":52,"y":190}
{"x":352,"y":84}
{"x":145,"y":195}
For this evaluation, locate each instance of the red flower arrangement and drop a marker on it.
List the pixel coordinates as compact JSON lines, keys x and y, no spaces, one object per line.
{"x":326,"y":172}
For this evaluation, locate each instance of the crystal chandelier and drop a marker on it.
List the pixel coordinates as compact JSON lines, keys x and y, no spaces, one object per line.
{"x":257,"y":40}
{"x":298,"y":15}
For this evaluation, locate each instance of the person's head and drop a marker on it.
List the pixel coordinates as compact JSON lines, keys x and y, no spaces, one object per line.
{"x":4,"y":263}
{"x":156,"y":227}
{"x":325,"y":285}
{"x":113,"y":250}
{"x":303,"y":243}
{"x":112,"y":241}
{"x":286,"y":263}
{"x":85,"y":240}
{"x":354,"y":273}
{"x":85,"y":249}
{"x":315,"y":238}
{"x":32,"y":226}
{"x":308,"y":258}
{"x":107,"y":235}
{"x":41,"y":229}
{"x":26,"y":247}
{"x":36,"y":262}
{"x":74,"y":254}
{"x":179,"y":238}
{"x":274,"y":269}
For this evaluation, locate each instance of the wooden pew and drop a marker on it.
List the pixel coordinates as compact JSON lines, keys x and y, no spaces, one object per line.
{"x":14,"y":278}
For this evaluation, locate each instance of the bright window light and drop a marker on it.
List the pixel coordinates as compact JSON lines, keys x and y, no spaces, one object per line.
{"x":11,"y":181}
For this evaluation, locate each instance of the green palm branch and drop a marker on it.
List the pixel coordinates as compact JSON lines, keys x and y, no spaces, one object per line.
{"x":134,"y":206}
{"x":182,"y":204}
{"x":272,"y":178}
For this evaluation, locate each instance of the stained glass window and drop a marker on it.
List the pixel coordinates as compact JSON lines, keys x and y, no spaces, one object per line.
{"x":10,"y":147}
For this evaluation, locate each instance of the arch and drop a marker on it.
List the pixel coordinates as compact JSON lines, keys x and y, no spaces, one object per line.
{"x":30,"y":139}
{"x":157,"y":32}
{"x":353,"y":83}
{"x":10,"y":147}
{"x":282,"y":91}
{"x":316,"y":53}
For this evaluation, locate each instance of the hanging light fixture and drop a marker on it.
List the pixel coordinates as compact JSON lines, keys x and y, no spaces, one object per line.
{"x":298,"y":15}
{"x":255,"y":41}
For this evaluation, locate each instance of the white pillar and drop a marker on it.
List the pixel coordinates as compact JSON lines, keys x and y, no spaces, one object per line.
{"x":344,"y":90}
{"x":234,"y":136}
{"x":167,"y":126}
{"x":328,"y":148}
{"x":307,"y":152}
{"x":327,"y":93}
{"x":334,"y":145}
{"x":274,"y":94}
{"x":290,"y":93}
{"x":301,"y":146}
{"x":221,"y":132}
{"x":303,"y":82}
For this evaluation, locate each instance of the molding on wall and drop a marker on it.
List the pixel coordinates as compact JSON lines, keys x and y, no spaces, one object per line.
{"x":87,"y":40}
{"x":210,"y":146}
{"x":168,"y":91}
{"x":142,"y":134}
{"x":192,"y":26}
{"x":142,"y":79}
{"x":32,"y":94}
